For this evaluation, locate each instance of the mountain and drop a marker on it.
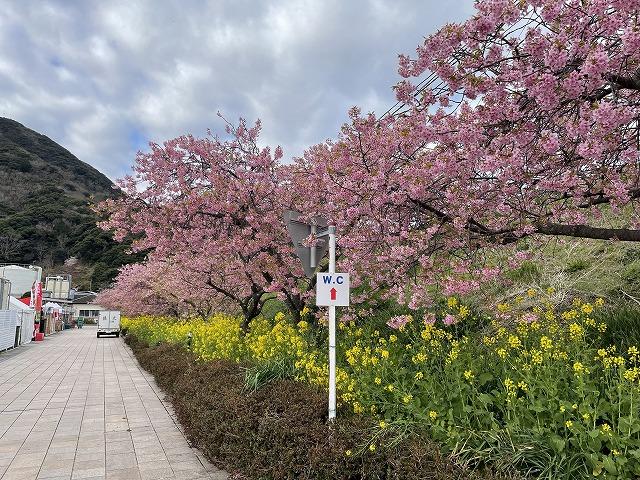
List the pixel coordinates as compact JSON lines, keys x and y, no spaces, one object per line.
{"x":46,"y":194}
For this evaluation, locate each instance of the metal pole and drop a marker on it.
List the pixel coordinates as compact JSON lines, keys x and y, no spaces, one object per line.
{"x":332,"y":329}
{"x":312,"y":250}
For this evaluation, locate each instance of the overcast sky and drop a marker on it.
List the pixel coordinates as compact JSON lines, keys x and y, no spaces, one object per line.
{"x":103,"y":78}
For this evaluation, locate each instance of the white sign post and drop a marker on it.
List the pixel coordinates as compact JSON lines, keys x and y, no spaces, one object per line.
{"x":332,"y":289}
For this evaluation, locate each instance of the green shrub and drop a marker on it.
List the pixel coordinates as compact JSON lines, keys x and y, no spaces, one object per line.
{"x":577,"y":266}
{"x":527,"y":272}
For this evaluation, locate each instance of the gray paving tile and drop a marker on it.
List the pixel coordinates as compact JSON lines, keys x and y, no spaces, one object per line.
{"x":90,"y":413}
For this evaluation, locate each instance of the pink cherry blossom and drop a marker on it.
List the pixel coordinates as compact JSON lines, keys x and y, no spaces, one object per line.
{"x":399,"y":321}
{"x":449,"y":319}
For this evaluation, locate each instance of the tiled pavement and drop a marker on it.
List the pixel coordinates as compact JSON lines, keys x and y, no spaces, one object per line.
{"x":79,"y":407}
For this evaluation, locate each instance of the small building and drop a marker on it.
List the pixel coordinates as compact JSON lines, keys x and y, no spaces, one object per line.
{"x":82,"y":306}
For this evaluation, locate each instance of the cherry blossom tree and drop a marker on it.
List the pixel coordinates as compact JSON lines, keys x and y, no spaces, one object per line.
{"x":215,"y":207}
{"x":160,"y":288}
{"x":520,"y":122}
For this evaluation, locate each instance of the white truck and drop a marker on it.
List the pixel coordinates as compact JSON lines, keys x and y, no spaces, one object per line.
{"x":109,"y":323}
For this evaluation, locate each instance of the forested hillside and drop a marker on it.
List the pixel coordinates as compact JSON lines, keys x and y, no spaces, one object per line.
{"x":46,"y":195}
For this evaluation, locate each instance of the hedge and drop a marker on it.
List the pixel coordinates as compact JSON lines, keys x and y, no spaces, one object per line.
{"x":281,"y":431}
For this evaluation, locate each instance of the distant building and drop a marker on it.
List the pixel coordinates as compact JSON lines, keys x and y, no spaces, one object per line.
{"x":82,"y":306}
{"x":57,"y":288}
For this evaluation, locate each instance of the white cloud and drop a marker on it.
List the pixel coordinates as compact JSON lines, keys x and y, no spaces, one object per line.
{"x":101,"y":78}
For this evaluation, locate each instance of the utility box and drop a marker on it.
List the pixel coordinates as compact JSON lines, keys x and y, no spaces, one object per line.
{"x":109,"y":323}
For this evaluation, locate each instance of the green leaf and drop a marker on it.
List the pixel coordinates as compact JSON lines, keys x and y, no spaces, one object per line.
{"x":538,"y":407}
{"x":597,"y":470}
{"x":609,"y":465}
{"x":594,"y":444}
{"x":557,"y":443}
{"x":485,"y":398}
{"x":484,"y":378}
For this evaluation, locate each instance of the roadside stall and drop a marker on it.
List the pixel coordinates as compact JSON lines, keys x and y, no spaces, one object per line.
{"x":52,"y":317}
{"x":26,"y":318}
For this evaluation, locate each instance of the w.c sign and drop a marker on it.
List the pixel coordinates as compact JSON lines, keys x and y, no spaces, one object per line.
{"x":332,"y":289}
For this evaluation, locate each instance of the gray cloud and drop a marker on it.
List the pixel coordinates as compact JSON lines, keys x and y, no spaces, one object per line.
{"x":103,"y":78}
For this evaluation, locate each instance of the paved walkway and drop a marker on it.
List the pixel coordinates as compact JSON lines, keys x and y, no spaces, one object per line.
{"x":79,"y":407}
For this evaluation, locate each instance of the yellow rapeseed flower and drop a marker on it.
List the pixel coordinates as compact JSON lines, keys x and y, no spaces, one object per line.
{"x":576,"y":331}
{"x":631,"y":374}
{"x":503,"y":307}
{"x":514,"y":341}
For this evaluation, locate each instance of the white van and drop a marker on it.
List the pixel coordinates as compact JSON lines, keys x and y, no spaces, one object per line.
{"x":109,"y":323}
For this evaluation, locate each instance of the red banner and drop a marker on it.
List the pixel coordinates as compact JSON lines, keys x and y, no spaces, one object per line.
{"x":36,"y":296}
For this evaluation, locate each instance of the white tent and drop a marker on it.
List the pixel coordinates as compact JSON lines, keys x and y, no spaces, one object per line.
{"x":26,"y":319}
{"x":51,"y":307}
{"x":15,"y":304}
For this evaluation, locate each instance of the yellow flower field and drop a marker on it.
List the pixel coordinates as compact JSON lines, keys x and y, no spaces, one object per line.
{"x":534,"y":388}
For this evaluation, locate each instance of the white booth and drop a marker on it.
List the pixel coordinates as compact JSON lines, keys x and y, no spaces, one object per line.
{"x":26,"y":318}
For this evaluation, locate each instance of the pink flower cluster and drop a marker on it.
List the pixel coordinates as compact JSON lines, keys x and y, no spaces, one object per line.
{"x":399,"y":321}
